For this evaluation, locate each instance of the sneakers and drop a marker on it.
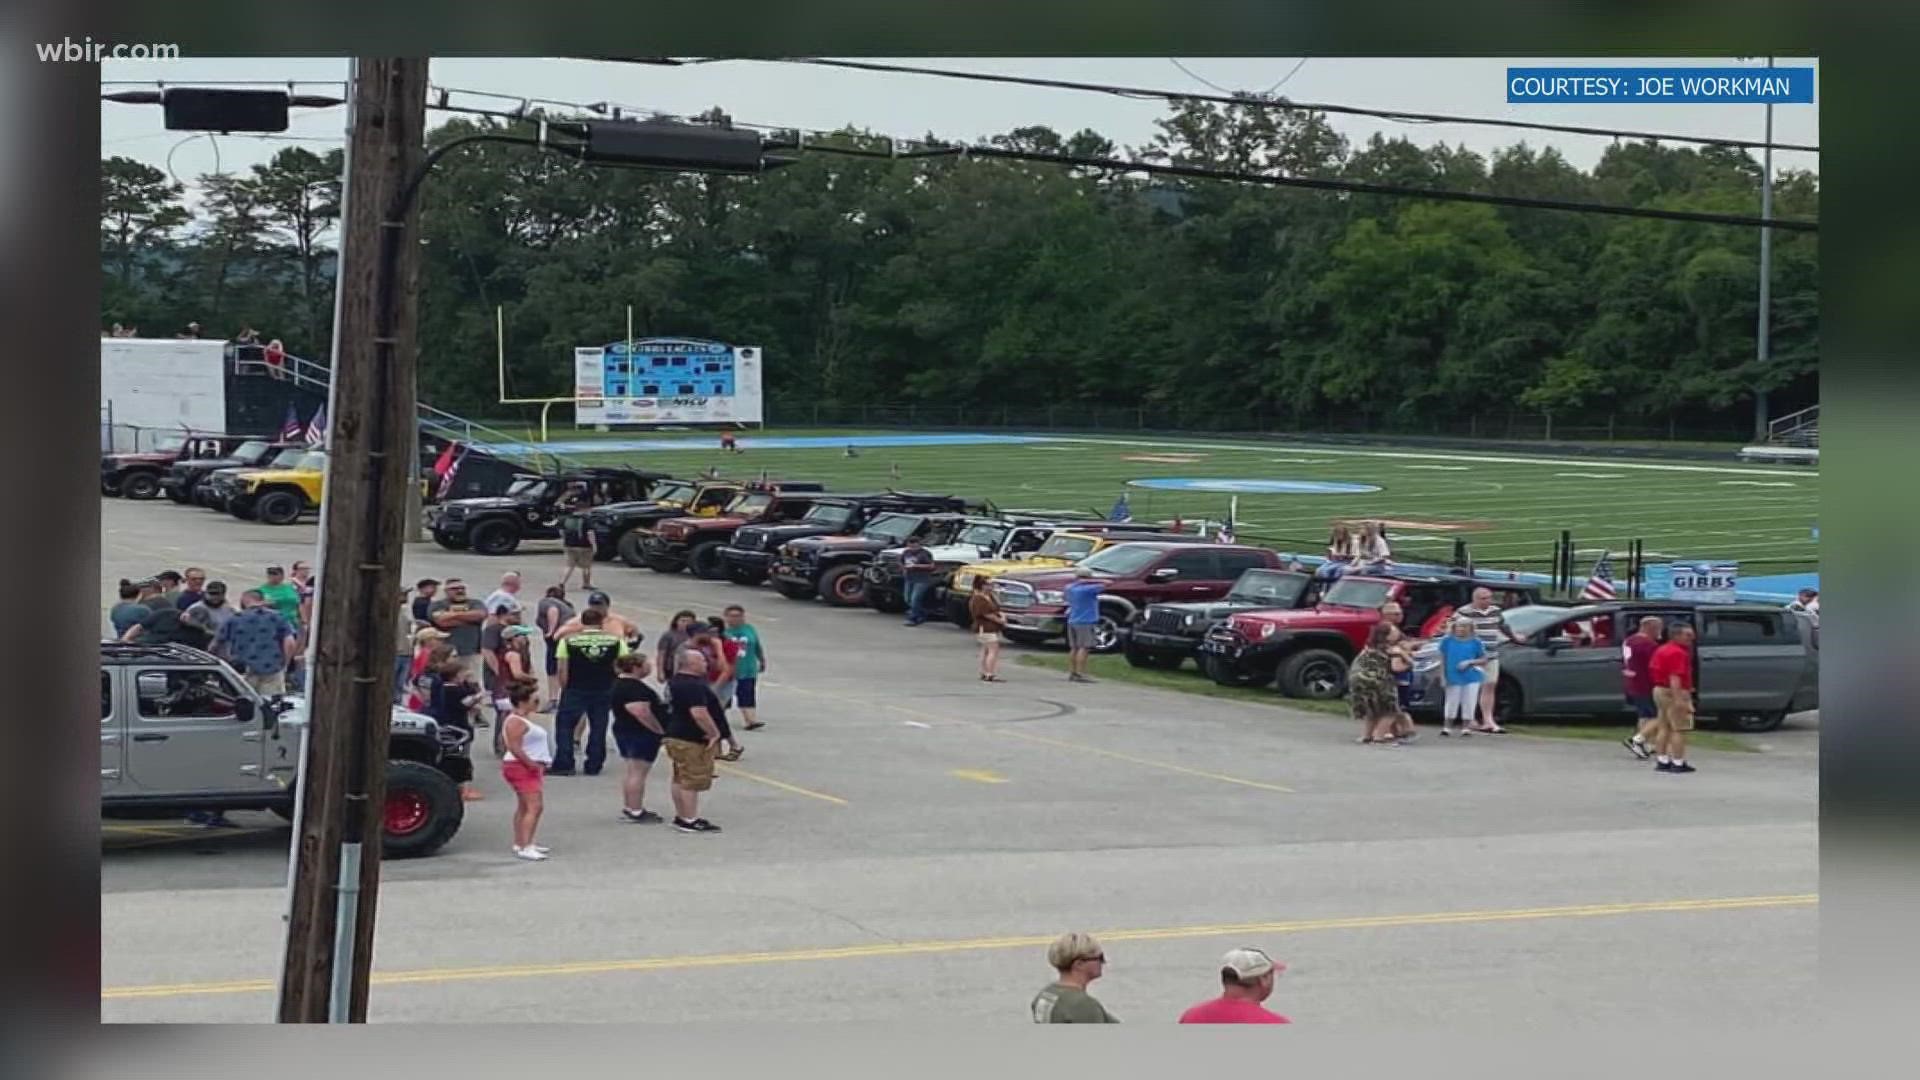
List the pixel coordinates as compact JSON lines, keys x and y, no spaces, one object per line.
{"x":531,"y":853}
{"x":641,"y":817}
{"x":1078,"y":678}
{"x":1680,"y":767}
{"x":1639,"y":748}
{"x":559,"y":772}
{"x":697,"y":825}
{"x":1663,"y":766}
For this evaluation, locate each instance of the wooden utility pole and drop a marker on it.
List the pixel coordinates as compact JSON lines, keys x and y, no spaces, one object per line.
{"x":373,"y":444}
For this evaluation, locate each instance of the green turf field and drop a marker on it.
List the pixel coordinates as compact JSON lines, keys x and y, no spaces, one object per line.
{"x":1510,"y":506}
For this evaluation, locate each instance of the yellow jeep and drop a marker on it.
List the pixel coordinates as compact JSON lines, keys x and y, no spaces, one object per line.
{"x":1063,"y":548}
{"x":280,"y":496}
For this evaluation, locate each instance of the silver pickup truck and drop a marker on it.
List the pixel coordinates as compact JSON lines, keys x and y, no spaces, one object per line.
{"x":1755,"y":663}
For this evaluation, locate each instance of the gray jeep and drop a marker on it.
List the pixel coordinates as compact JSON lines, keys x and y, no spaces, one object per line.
{"x":180,"y":731}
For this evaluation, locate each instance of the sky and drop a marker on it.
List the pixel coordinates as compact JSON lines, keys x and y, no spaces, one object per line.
{"x":908,"y":106}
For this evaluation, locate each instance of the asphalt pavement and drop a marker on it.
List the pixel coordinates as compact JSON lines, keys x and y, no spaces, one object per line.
{"x":902,"y":840}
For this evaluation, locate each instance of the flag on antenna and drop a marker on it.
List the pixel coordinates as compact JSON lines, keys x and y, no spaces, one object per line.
{"x":317,"y":427}
{"x":290,"y":428}
{"x":1600,"y":582}
{"x":1226,"y":533}
{"x":1122,"y":510}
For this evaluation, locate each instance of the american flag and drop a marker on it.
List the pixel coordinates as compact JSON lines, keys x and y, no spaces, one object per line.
{"x":1122,"y":509}
{"x":1600,"y":582}
{"x":317,"y":427}
{"x":1225,"y":535}
{"x":291,"y":428}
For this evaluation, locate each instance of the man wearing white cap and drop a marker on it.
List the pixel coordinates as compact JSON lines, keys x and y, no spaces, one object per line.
{"x":1246,"y":980}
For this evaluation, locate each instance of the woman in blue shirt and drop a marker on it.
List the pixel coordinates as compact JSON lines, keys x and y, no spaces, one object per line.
{"x":1462,"y":655}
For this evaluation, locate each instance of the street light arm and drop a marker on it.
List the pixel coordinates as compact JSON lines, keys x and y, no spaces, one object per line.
{"x":403,"y":199}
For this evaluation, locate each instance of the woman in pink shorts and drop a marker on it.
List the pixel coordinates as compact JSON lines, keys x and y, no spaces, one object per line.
{"x":529,"y":752}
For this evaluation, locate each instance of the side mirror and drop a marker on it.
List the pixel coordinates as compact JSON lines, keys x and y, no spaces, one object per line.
{"x":243,"y":710}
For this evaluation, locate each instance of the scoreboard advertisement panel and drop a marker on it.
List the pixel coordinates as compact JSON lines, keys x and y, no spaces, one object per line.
{"x":667,"y":380}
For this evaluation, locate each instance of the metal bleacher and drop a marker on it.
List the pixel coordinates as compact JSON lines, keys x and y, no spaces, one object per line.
{"x":316,"y":378}
{"x":1794,"y":437}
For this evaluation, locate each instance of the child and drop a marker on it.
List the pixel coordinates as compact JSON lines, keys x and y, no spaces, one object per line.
{"x":529,"y":752}
{"x":1462,"y":655}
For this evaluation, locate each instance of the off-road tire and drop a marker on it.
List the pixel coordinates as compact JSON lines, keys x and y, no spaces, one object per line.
{"x":1314,"y":675}
{"x":435,"y":800}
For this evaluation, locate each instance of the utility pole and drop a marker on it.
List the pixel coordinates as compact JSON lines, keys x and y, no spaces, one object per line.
{"x":373,"y":449}
{"x":1764,"y":343}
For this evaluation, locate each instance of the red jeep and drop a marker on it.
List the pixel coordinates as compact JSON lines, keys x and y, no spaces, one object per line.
{"x":1135,"y":575}
{"x":1308,"y":651}
{"x":138,"y":475}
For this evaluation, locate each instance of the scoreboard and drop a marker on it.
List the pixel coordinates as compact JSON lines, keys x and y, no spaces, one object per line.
{"x":667,"y":380}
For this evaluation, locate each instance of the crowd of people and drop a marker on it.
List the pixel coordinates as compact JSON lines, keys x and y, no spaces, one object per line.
{"x":465,"y":658}
{"x":263,"y":636}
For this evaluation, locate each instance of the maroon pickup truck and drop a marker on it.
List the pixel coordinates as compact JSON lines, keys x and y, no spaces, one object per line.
{"x":1134,"y":575}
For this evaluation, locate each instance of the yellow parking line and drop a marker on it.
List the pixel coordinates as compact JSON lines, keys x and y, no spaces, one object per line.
{"x":1032,"y":941}
{"x":981,"y":775}
{"x":735,"y":770}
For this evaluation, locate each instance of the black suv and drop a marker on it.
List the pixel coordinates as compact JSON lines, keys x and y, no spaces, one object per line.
{"x":1165,"y":635}
{"x":833,"y":567}
{"x":530,"y":510}
{"x":185,"y":475}
{"x":749,"y":557}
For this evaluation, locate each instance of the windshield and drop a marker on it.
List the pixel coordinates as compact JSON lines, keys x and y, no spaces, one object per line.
{"x":288,"y":458}
{"x":1530,"y":620}
{"x":828,"y":514}
{"x":1070,"y":548}
{"x":315,"y":461}
{"x":250,"y":450}
{"x":750,"y":505}
{"x":674,"y":492}
{"x":986,"y":534}
{"x":1355,"y":593}
{"x":1269,"y":585}
{"x":1121,"y":559}
{"x":169,"y":443}
{"x":529,"y":486}
{"x":892,"y":527}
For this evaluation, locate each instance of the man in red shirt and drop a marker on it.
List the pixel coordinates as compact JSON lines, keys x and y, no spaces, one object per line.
{"x":1636,"y":671}
{"x":1246,"y":980}
{"x":1672,"y":669}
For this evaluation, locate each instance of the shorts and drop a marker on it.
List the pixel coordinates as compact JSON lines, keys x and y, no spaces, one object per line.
{"x":987,"y":637}
{"x":1643,"y":706}
{"x":723,"y":691}
{"x":579,"y":558}
{"x":521,"y":779}
{"x":1080,"y":637}
{"x":1676,"y":709}
{"x":636,"y":743}
{"x":275,"y":683}
{"x":1403,"y":693}
{"x":553,"y":657}
{"x":692,"y":764}
{"x":746,"y":692}
{"x":1492,"y":671}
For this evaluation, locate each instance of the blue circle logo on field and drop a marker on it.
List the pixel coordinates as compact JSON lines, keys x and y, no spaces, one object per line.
{"x":1254,"y":487}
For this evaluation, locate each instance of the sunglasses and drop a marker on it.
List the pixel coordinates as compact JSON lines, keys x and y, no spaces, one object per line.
{"x":1100,"y":958}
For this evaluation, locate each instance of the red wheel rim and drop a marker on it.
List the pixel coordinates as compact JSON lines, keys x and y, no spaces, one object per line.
{"x":407,"y":812}
{"x":848,"y":587}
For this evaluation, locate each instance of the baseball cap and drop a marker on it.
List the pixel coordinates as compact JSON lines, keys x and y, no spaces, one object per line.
{"x":599,"y":599}
{"x":517,"y":631}
{"x":271,"y":570}
{"x":1250,"y":963}
{"x":428,"y":633}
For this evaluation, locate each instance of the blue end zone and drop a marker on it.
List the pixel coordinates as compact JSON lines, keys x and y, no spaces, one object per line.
{"x":748,"y":441}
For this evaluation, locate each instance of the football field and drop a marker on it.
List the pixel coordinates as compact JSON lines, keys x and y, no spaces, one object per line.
{"x":1511,"y":507}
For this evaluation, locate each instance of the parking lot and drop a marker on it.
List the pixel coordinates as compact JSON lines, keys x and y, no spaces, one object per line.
{"x":902,"y":840}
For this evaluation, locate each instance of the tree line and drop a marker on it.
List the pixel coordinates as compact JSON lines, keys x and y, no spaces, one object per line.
{"x":998,"y":284}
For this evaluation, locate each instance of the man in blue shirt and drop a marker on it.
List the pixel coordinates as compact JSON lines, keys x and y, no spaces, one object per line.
{"x":258,"y":642}
{"x":1083,"y":615}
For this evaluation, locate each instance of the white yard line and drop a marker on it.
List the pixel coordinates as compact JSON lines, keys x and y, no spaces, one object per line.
{"x":1440,"y":456}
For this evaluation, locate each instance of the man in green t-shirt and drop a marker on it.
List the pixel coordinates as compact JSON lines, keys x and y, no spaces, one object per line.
{"x":1079,"y":960}
{"x":752,"y":661}
{"x":284,"y":595}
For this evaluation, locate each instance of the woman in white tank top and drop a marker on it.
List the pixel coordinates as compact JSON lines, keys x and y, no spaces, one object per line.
{"x":529,"y":752}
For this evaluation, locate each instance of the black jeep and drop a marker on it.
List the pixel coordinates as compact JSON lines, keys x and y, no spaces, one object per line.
{"x":531,"y":509}
{"x":1165,"y":635}
{"x":749,"y":557}
{"x":183,"y":476}
{"x":693,"y":542}
{"x":833,"y":567}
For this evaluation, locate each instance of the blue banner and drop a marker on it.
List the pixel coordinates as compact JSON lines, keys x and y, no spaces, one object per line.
{"x":1702,"y":582}
{"x":1652,"y":86}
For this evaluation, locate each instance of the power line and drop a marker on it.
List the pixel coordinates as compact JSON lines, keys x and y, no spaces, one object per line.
{"x":1323,"y":184}
{"x":1287,"y":78}
{"x":1260,"y":102}
{"x":1195,"y":76}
